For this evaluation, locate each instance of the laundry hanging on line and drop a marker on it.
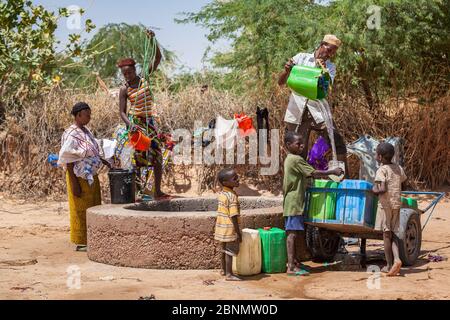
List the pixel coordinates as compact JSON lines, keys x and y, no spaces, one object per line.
{"x":245,"y":124}
{"x":262,"y":121}
{"x":227,"y":131}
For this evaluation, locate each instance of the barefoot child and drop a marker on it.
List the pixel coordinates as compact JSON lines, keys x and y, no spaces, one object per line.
{"x":388,"y":186}
{"x":296,"y":173}
{"x":227,"y":224}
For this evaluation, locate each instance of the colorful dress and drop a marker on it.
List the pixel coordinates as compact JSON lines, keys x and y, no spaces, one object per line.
{"x":78,"y":146}
{"x":141,"y":114}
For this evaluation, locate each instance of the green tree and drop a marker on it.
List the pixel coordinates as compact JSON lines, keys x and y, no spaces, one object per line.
{"x":410,"y":48}
{"x":263,"y":34}
{"x":28,"y":61}
{"x":116,"y":41}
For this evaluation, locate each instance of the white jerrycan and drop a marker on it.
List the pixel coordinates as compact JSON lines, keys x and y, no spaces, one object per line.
{"x":248,"y":261}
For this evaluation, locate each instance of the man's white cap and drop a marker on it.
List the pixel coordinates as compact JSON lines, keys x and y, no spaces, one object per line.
{"x":332,"y":39}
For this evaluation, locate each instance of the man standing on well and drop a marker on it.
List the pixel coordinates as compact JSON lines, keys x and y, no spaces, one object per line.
{"x":304,"y":115}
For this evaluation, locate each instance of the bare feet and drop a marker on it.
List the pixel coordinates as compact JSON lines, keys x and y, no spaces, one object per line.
{"x":386,"y":269}
{"x":138,"y":199}
{"x":294,"y":270}
{"x":395,"y":270}
{"x":222,"y":273}
{"x":232,"y":277}
{"x":162,"y":196}
{"x":298,"y":272}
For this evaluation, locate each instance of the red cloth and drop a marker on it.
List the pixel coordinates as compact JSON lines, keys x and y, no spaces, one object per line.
{"x":245,"y":124}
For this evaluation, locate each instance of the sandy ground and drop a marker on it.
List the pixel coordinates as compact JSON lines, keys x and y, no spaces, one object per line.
{"x":35,"y":257}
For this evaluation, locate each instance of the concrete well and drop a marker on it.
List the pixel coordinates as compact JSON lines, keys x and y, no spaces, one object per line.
{"x":175,"y":234}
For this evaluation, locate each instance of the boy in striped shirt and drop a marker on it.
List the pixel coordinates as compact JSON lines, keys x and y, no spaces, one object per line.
{"x":227,"y":230}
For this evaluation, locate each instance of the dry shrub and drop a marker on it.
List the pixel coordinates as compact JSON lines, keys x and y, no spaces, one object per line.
{"x":428,"y":137}
{"x":183,"y":109}
{"x":425,"y":128}
{"x":189,"y":106}
{"x":29,"y":135}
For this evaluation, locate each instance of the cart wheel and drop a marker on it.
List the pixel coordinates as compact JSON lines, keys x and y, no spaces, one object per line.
{"x":410,"y":236}
{"x":323,"y":244}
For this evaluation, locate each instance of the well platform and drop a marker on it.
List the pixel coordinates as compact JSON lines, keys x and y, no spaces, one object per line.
{"x":174,"y":234}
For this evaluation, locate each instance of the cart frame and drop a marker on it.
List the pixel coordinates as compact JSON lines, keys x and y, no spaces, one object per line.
{"x":326,"y":234}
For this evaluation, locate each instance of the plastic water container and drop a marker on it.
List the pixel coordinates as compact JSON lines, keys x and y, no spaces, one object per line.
{"x":334,"y":165}
{"x":248,"y":261}
{"x":322,"y":206}
{"x":273,"y":248}
{"x":356,"y":207}
{"x":140,"y":141}
{"x":410,"y":202}
{"x":306,"y":81}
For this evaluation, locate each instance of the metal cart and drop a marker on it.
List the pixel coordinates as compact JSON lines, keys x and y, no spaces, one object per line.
{"x":324,"y":234}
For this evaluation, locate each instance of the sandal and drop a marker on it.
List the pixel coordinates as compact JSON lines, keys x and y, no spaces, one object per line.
{"x":81,"y":248}
{"x":298,"y":273}
{"x":302,"y":266}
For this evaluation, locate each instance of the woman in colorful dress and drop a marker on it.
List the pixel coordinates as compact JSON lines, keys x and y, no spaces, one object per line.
{"x":140,"y":116}
{"x":80,"y":157}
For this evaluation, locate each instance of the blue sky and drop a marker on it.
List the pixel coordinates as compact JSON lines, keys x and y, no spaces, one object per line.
{"x":187,"y":41}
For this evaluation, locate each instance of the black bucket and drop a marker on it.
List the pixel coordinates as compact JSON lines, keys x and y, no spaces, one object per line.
{"x":122,"y":185}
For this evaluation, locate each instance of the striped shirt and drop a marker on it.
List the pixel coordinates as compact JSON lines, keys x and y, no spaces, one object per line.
{"x":140,"y":99}
{"x":228,"y":207}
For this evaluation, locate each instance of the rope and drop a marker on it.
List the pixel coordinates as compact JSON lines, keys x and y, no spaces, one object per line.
{"x":150,"y":49}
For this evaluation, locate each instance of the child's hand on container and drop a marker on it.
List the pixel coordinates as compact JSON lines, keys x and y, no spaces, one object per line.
{"x":337,"y":172}
{"x":239,"y":237}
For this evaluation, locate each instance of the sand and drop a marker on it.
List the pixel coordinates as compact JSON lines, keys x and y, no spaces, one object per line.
{"x":36,"y":255}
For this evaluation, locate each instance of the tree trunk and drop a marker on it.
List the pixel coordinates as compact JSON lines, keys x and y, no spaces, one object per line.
{"x":362,"y":68}
{"x":368,"y":94}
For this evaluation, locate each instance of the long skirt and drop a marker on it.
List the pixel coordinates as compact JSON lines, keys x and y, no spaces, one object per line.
{"x":90,"y":197}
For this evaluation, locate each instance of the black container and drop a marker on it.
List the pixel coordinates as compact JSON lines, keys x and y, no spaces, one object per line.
{"x":122,"y":184}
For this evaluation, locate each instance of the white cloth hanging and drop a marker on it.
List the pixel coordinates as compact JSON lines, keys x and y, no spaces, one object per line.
{"x":226,"y":132}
